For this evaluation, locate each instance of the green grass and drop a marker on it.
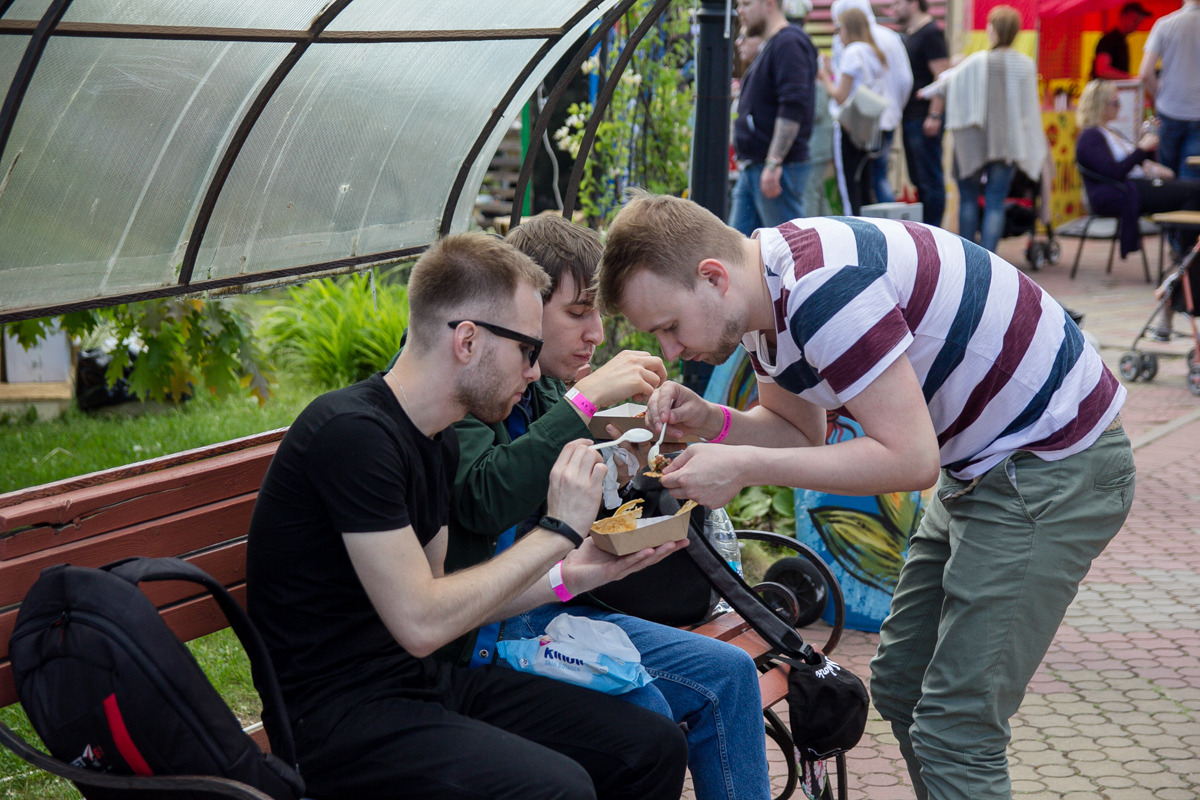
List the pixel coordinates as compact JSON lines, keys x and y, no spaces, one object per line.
{"x":33,"y":453}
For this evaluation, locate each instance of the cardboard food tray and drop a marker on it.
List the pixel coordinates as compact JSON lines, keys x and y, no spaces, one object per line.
{"x":649,"y":533}
{"x":625,"y":417}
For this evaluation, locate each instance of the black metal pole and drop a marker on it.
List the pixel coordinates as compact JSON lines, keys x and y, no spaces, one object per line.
{"x":710,"y":139}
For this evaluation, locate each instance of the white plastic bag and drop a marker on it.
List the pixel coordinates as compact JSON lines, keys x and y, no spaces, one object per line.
{"x":582,"y":651}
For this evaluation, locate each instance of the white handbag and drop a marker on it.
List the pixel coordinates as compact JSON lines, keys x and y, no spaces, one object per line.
{"x":859,"y":117}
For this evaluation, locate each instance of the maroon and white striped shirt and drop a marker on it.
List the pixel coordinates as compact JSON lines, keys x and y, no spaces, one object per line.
{"x":1001,"y":364}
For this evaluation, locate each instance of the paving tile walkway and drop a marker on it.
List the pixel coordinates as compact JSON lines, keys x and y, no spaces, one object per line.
{"x":1113,"y":712}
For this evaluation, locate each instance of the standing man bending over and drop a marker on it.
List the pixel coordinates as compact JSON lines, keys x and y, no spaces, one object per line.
{"x":711,"y":686}
{"x":345,"y":572}
{"x":947,"y":356}
{"x":774,"y":120}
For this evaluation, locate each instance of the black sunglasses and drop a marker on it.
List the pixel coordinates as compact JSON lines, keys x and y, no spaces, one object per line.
{"x":535,"y":344}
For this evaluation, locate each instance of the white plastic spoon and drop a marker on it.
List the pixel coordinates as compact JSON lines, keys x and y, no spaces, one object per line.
{"x":636,"y":435}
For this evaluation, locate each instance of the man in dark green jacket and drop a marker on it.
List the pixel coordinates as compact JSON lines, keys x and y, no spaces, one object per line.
{"x":500,"y":490}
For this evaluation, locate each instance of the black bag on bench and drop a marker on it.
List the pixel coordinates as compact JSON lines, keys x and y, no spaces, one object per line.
{"x":110,"y":688}
{"x":827,"y":704}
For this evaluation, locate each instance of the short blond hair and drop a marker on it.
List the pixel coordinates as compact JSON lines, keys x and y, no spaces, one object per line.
{"x":666,"y":235}
{"x":1093,"y":103}
{"x":464,"y":274}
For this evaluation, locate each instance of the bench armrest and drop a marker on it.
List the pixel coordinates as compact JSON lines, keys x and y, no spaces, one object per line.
{"x":835,"y":589}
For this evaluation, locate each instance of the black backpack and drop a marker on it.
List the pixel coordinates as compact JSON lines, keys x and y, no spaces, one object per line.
{"x":108,"y":686}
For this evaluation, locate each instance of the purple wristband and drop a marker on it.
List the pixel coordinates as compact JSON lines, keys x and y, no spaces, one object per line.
{"x":724,"y":427}
{"x":580,"y":401}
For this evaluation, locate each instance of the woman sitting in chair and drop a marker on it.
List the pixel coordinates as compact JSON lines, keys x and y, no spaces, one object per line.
{"x":1119,"y":177}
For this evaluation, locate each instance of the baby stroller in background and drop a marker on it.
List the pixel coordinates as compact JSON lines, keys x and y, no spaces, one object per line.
{"x":1021,"y":218}
{"x":1180,"y":293}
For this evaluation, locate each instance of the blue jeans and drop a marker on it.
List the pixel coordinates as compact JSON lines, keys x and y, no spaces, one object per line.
{"x":751,"y":211}
{"x":710,"y":685}
{"x":999,"y":179}
{"x":879,"y":169}
{"x":923,"y":156}
{"x":1178,"y":139}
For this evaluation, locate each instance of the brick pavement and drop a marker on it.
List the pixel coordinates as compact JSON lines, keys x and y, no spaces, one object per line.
{"x":1114,"y":710}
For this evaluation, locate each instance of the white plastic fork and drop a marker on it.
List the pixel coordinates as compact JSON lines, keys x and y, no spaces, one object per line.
{"x":654,"y":448}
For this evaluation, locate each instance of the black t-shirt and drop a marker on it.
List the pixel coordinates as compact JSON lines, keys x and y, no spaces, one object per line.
{"x":352,"y":462}
{"x":1117,"y":48}
{"x":780,"y":82}
{"x":924,"y":45}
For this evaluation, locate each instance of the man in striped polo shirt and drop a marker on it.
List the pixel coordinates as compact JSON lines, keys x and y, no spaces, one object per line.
{"x":948,"y":357}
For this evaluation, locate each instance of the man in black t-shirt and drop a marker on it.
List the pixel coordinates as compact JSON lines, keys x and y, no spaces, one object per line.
{"x":774,"y":120}
{"x":922,"y":121}
{"x":1112,"y":51}
{"x":345,"y":575}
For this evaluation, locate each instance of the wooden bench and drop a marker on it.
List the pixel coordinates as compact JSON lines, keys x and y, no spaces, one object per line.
{"x":197,"y":505}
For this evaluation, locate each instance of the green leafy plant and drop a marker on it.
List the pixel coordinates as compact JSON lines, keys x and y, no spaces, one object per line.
{"x":764,"y":508}
{"x":180,"y":344}
{"x":336,"y":331}
{"x":645,"y":138}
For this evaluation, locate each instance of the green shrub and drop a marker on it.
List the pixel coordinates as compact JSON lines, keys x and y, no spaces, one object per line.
{"x":333,"y":333}
{"x":184,"y":342}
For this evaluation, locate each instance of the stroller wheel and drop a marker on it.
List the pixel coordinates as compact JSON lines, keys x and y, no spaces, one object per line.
{"x":1055,"y":251}
{"x":1149,"y":366}
{"x":806,"y":584}
{"x":1034,"y":256}
{"x":1193,"y":378}
{"x":1131,"y":365}
{"x":1191,"y":357}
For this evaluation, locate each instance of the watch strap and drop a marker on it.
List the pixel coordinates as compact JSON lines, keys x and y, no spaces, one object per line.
{"x":556,"y":525}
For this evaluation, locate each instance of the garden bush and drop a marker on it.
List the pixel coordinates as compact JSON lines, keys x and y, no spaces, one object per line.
{"x":333,"y":332}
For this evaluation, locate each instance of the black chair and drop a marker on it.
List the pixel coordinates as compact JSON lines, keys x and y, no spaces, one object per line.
{"x":1092,"y":217}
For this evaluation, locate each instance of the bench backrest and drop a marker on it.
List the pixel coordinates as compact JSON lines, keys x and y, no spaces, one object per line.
{"x":195,"y":505}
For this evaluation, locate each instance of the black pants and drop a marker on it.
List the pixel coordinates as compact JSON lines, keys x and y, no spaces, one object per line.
{"x":489,"y":733}
{"x":856,"y":168}
{"x":1169,"y":195}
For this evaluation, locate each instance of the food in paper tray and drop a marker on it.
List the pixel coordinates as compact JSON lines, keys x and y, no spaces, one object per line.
{"x":623,"y":519}
{"x":626,"y":416}
{"x":627,"y":532}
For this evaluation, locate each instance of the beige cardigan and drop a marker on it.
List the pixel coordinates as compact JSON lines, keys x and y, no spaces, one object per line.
{"x":992,"y":106}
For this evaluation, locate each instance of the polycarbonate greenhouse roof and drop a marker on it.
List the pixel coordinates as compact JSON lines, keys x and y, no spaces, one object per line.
{"x":156,"y":147}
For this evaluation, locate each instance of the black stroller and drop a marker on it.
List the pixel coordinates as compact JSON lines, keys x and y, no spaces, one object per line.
{"x":1180,"y":292}
{"x":1021,"y":219}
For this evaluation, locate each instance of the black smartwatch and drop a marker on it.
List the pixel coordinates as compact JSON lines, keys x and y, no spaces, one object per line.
{"x":556,"y":525}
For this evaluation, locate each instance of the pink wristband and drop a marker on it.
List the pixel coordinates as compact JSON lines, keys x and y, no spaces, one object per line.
{"x":580,"y":401}
{"x":556,"y":583}
{"x":724,"y":427}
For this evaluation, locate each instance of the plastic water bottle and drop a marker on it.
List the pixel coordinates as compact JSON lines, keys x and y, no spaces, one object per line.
{"x":720,"y":531}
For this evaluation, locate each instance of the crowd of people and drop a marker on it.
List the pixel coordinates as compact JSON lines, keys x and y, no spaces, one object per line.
{"x":410,"y":523}
{"x":989,"y":101}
